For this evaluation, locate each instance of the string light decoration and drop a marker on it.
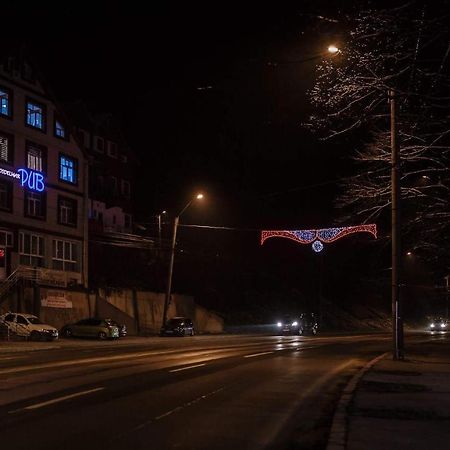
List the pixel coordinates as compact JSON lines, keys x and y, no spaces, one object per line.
{"x":318,"y":237}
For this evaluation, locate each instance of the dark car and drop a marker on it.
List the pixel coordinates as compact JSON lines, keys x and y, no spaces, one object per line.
{"x":122,"y":327}
{"x":178,"y":326}
{"x":305,"y":323}
{"x":99,"y":328}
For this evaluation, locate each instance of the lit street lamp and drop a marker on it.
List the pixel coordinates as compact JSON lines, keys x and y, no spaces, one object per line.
{"x":172,"y":257}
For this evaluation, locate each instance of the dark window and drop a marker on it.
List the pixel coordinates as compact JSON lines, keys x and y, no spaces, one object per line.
{"x":35,"y":204}
{"x":6,"y":148}
{"x":6,"y":195}
{"x":60,"y":129}
{"x":36,"y":157}
{"x":65,"y":255}
{"x":68,"y":169}
{"x":31,"y":249}
{"x":112,"y":149}
{"x":9,"y":318}
{"x":126,"y":188}
{"x":35,"y":115}
{"x":99,"y":144}
{"x":5,"y":102}
{"x":21,"y":320}
{"x":67,"y":211}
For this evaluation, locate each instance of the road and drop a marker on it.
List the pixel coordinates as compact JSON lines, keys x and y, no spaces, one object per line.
{"x":202,"y":392}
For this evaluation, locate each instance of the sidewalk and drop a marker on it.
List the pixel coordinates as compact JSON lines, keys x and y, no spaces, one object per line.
{"x":403,"y":404}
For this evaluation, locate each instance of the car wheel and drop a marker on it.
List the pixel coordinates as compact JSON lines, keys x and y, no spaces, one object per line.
{"x":35,"y":336}
{"x":102,"y":335}
{"x":313,"y":331}
{"x":301,"y":331}
{"x":67,"y":333}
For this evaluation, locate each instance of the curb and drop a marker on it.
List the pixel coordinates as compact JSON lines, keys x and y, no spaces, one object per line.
{"x":338,"y":433}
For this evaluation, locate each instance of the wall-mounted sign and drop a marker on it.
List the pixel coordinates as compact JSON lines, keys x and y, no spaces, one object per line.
{"x":31,"y":179}
{"x":56,"y":299}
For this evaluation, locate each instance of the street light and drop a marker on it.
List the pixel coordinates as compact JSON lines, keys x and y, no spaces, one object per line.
{"x":159,"y":227}
{"x":172,"y":257}
{"x":333,"y":49}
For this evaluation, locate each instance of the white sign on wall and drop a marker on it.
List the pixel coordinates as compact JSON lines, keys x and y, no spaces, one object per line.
{"x":56,"y":299}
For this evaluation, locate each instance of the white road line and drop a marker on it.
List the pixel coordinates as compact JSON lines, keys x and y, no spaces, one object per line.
{"x":257,"y":354}
{"x":186,"y":368}
{"x":56,"y":400}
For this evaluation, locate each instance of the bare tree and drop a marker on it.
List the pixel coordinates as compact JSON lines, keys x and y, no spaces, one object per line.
{"x":406,"y":49}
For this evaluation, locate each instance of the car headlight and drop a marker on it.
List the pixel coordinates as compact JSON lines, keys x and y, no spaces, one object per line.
{"x":279,"y":324}
{"x":443,"y":325}
{"x":432,"y":325}
{"x":294,"y":324}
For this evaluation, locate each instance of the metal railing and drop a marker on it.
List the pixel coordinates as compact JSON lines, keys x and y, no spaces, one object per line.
{"x":21,"y":273}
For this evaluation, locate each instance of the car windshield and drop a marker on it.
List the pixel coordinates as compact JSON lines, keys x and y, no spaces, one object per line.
{"x":34,"y":320}
{"x":175,"y":322}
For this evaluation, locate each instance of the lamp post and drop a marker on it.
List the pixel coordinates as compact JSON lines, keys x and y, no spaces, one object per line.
{"x":159,"y":227}
{"x":172,"y":257}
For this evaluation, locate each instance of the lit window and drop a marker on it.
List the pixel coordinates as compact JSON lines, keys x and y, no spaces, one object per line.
{"x":35,"y":115}
{"x":35,"y":157}
{"x":5,"y":104}
{"x":6,"y":148}
{"x":67,"y":169}
{"x":60,"y":131}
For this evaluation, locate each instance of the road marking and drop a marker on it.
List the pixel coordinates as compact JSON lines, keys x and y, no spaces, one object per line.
{"x":186,"y":368}
{"x":257,"y":354}
{"x":56,"y":400}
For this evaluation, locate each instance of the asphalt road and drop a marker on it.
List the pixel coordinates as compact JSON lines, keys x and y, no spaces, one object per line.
{"x":204,"y":392}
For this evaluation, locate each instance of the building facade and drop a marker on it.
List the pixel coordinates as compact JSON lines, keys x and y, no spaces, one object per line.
{"x":43,"y":183}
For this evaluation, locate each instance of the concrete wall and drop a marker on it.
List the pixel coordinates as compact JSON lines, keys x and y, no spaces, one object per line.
{"x":141,"y":311}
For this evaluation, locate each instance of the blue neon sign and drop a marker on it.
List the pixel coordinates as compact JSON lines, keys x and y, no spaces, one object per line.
{"x":31,"y":179}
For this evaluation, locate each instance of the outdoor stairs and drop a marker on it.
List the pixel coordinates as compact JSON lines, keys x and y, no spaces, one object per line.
{"x":21,"y":273}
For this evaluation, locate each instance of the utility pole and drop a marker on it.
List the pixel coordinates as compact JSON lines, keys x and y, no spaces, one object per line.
{"x":169,"y":277}
{"x":397,"y":319}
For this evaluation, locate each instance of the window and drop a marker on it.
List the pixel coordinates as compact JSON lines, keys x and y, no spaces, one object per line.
{"x":6,"y":195}
{"x":35,"y":115}
{"x":112,"y":149}
{"x":35,"y":204}
{"x":6,"y":148}
{"x":67,"y":211}
{"x":99,"y":144}
{"x":113,"y":184}
{"x":65,"y":255}
{"x":31,"y":249}
{"x":84,"y":138}
{"x":68,"y":169}
{"x":6,"y":238}
{"x":124,"y":158}
{"x":35,"y":156}
{"x":5,"y":102}
{"x":60,"y":130}
{"x":126,"y":188}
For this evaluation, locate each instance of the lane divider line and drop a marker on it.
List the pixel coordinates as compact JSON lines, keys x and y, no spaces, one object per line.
{"x":56,"y":400}
{"x":187,"y":368}
{"x":257,"y":354}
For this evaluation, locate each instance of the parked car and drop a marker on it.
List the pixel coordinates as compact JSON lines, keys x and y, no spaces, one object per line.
{"x":304,"y":323}
{"x":178,"y":326}
{"x":93,"y":327}
{"x":29,"y":326}
{"x":122,"y":327}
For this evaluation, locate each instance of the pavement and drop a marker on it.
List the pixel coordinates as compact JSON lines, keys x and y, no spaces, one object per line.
{"x":397,"y":404}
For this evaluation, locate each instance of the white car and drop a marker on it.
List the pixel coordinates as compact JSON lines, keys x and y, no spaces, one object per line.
{"x":27,"y":325}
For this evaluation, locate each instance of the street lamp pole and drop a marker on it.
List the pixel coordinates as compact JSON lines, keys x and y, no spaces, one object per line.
{"x":172,"y":258}
{"x":397,"y":318}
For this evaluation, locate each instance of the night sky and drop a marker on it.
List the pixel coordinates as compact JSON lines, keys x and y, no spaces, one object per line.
{"x":209,"y":100}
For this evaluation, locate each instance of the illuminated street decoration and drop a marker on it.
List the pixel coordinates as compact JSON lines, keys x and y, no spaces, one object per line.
{"x":319,"y":237}
{"x":31,"y":179}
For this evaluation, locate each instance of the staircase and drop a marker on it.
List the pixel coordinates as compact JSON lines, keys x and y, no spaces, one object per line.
{"x":21,"y":273}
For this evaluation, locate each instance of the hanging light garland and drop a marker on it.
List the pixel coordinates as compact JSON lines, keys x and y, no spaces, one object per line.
{"x":318,"y":237}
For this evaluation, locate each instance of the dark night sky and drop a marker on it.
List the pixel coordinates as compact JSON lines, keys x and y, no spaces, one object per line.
{"x":240,"y":141}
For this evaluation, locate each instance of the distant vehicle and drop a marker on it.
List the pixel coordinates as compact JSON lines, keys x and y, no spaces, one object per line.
{"x":304,"y":323}
{"x":122,"y":328}
{"x":29,"y":326}
{"x":93,"y":327}
{"x":438,"y":324}
{"x":178,"y":326}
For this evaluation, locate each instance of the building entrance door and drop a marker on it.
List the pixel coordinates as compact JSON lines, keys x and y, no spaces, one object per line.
{"x":2,"y":263}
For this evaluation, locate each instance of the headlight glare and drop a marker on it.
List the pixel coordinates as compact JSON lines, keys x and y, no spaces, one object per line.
{"x":279,"y":324}
{"x":294,"y":324}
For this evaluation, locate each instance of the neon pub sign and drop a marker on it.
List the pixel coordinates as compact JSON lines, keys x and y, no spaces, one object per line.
{"x":30,"y":179}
